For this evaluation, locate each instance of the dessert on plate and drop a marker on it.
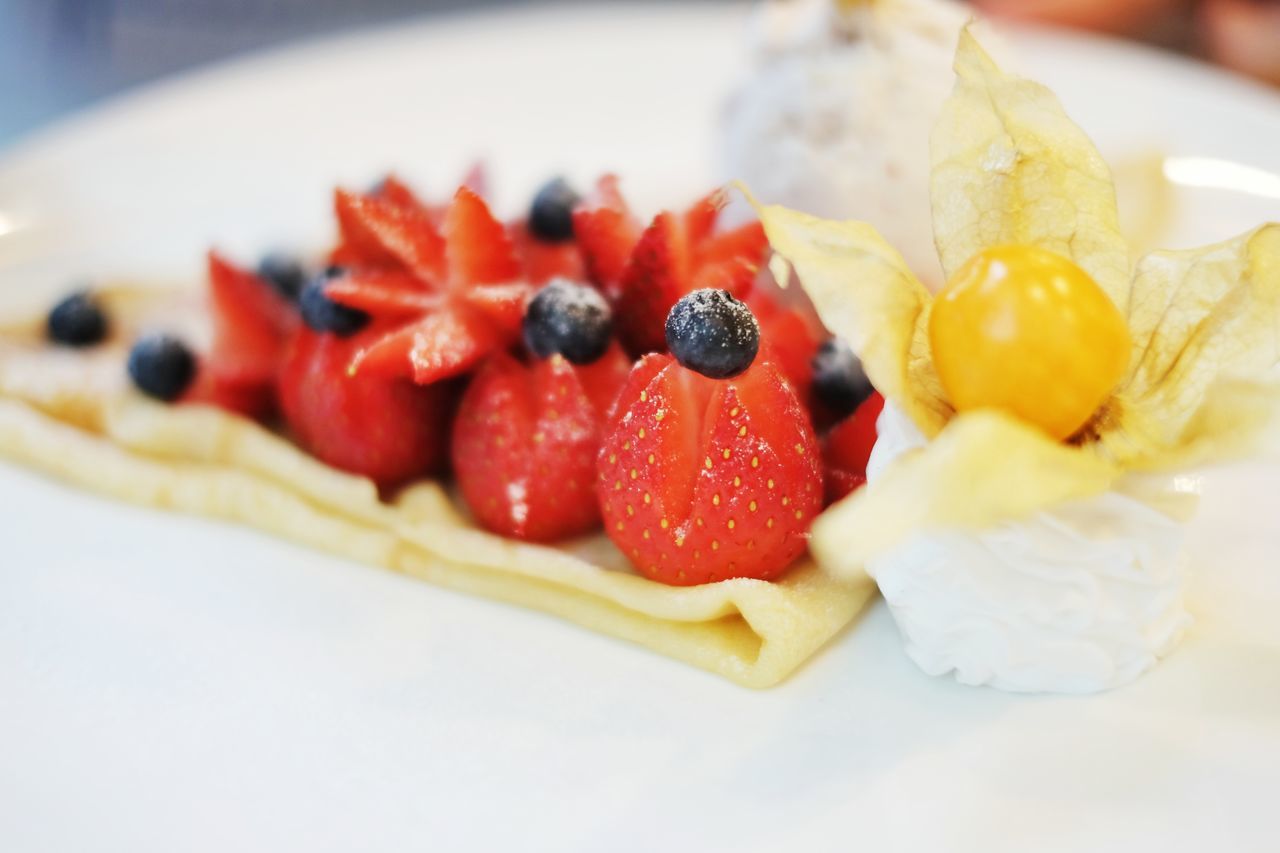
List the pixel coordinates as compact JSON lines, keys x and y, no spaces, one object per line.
{"x":1031,"y":473}
{"x":577,"y":411}
{"x":629,"y":424}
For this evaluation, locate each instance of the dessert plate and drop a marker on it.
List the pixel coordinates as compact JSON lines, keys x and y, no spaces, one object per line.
{"x":171,"y":682}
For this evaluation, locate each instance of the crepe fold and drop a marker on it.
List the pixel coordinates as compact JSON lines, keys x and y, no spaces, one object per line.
{"x":72,"y":415}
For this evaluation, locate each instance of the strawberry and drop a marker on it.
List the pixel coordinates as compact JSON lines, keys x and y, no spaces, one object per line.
{"x":453,"y":302}
{"x":542,"y":261}
{"x":525,"y":442}
{"x":791,"y":333}
{"x":251,"y":323}
{"x":251,"y":400}
{"x":606,"y":231}
{"x":676,"y":255}
{"x":846,"y":449}
{"x":378,"y":232}
{"x":702,"y":480}
{"x":385,"y":428}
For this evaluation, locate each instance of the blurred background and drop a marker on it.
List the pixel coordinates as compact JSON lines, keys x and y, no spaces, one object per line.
{"x":57,"y":55}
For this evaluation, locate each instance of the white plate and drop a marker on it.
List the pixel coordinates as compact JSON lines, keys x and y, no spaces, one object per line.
{"x":168,"y":683}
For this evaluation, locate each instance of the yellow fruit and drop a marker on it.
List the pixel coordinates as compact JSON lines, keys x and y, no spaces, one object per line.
{"x":1025,"y":330}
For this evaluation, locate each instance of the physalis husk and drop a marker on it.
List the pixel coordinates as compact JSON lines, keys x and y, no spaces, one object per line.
{"x":1009,"y":168}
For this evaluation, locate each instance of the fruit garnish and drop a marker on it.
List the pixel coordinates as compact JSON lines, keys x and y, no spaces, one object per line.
{"x":1026,"y":331}
{"x":389,"y":227}
{"x":790,"y":333}
{"x":711,"y":333}
{"x":551,"y":213}
{"x":284,"y":272}
{"x":249,"y":399}
{"x":541,"y":261}
{"x":839,"y":381}
{"x":448,"y":316}
{"x":385,"y":428}
{"x":679,"y":254}
{"x":702,"y":480}
{"x":77,"y":321}
{"x":568,"y":319}
{"x":525,"y":443}
{"x":161,"y":366}
{"x":607,"y":232}
{"x":847,"y":448}
{"x":322,"y":314}
{"x":252,"y":322}
{"x":1009,"y":168}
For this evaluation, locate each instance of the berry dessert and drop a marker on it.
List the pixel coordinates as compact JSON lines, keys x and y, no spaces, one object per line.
{"x":1026,"y":491}
{"x":527,"y":434}
{"x":710,"y":468}
{"x":676,"y":254}
{"x":569,"y":410}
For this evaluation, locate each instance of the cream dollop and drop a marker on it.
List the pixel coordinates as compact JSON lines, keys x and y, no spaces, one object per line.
{"x":1082,"y":598}
{"x":834,"y":117}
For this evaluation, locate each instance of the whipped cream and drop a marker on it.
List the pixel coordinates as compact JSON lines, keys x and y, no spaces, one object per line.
{"x":834,"y":118}
{"x":1077,"y":599}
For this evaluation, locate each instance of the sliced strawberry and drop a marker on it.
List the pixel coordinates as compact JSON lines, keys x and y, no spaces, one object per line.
{"x":379,"y":232}
{"x":384,"y":293}
{"x":676,"y":255}
{"x":443,"y":324}
{"x":396,"y":191}
{"x":604,"y":378}
{"x":389,"y":430}
{"x":700,"y":219}
{"x":502,"y":304}
{"x":791,"y":333}
{"x":445,"y":343}
{"x":847,"y":448}
{"x":747,"y":242}
{"x":476,"y":245}
{"x":251,"y":323}
{"x":655,"y":277}
{"x":525,"y":444}
{"x":542,"y":261}
{"x":256,"y":400}
{"x":606,"y":231}
{"x":702,"y":480}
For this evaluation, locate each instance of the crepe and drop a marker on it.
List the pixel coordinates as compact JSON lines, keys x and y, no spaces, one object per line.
{"x":74,"y":415}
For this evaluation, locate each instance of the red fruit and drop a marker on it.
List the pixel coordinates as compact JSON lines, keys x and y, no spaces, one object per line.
{"x":791,"y":334}
{"x":847,"y":448}
{"x":605,"y":229}
{"x":702,"y":480}
{"x":249,"y":399}
{"x":676,"y":255}
{"x":442,"y":319}
{"x":542,"y":261}
{"x":379,"y":232}
{"x":525,"y":443}
{"x":251,"y":323}
{"x":398,"y":193}
{"x":387,"y":429}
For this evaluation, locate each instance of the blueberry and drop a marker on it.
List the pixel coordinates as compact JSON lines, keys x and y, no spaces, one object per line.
{"x":570,"y":319}
{"x":551,"y":214}
{"x":77,"y":321}
{"x":838,"y":379}
{"x":322,"y":314}
{"x":161,"y":366}
{"x":283,"y":272}
{"x":711,"y":332}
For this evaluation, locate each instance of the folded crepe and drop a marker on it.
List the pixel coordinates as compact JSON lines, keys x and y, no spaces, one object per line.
{"x":74,"y":415}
